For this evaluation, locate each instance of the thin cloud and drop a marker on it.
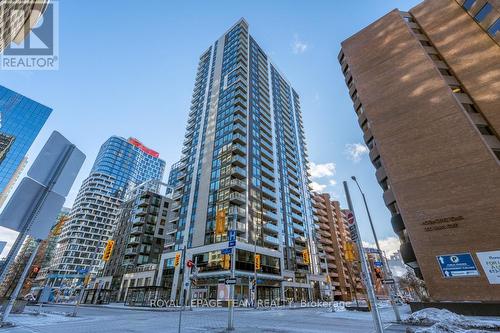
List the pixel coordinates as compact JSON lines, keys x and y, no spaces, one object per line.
{"x":299,"y":46}
{"x":355,"y":151}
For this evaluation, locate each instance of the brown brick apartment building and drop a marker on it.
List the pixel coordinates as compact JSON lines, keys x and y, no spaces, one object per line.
{"x":426,"y":89}
{"x":333,"y":234}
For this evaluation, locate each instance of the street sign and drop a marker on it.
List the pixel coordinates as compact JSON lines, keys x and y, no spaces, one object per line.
{"x":230,"y":281}
{"x":232,"y":244}
{"x":351,"y":223}
{"x":457,"y":265}
{"x":189,"y":263}
{"x":231,"y":235}
{"x":83,"y":271}
{"x":226,"y":251}
{"x":378,"y":264}
{"x":388,"y":281}
{"x":49,"y":158}
{"x":491,"y":265}
{"x":21,"y":206}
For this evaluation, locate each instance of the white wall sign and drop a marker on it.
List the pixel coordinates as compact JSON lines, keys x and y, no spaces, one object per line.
{"x":490,"y":261}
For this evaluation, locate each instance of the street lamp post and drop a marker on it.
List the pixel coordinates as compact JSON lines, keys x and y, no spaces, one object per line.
{"x":386,"y":270}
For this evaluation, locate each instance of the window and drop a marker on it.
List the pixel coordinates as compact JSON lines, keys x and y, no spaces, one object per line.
{"x":436,"y":57}
{"x":417,"y":31}
{"x":497,"y":153}
{"x":470,"y":108}
{"x":468,"y":4}
{"x":484,"y":129}
{"x":384,"y":184}
{"x":495,"y":28}
{"x":409,"y":19}
{"x":425,"y":43}
{"x":377,"y":163}
{"x":445,"y":72}
{"x":483,"y":12}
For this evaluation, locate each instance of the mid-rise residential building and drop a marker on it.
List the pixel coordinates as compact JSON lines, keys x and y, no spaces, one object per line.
{"x":141,"y":232}
{"x":21,"y":119}
{"x":120,"y":165}
{"x":425,"y":89}
{"x":18,"y":18}
{"x":244,"y":160}
{"x":333,"y":238}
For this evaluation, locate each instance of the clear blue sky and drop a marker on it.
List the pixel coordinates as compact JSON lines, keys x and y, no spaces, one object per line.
{"x":127,"y":68}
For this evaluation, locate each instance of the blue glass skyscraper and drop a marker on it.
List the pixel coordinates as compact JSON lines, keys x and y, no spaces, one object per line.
{"x":119,"y":165}
{"x":20,"y":122}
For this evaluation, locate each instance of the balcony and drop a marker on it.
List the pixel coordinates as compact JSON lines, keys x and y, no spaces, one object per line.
{"x":299,"y":238}
{"x":238,"y":119}
{"x":238,"y":172}
{"x":269,"y":192}
{"x":136,"y":230}
{"x":269,"y":204}
{"x":239,"y":161}
{"x":237,"y":185}
{"x":237,"y":198}
{"x":134,"y":240}
{"x":397,"y":223}
{"x":237,"y":128}
{"x":298,"y":227}
{"x":131,"y":251}
{"x":271,"y":240}
{"x":169,"y":240}
{"x":239,"y":138}
{"x":239,"y":149}
{"x":270,"y":215}
{"x":297,"y":217}
{"x":235,"y":210}
{"x":271,"y":227}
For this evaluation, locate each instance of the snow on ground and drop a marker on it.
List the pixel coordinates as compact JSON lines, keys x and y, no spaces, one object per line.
{"x":441,"y":320}
{"x":34,"y":319}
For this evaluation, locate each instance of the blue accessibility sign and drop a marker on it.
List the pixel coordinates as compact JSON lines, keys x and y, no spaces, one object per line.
{"x":378,"y":264}
{"x":457,"y":265}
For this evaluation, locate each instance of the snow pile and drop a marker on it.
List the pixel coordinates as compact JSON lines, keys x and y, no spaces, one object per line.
{"x":442,"y":320}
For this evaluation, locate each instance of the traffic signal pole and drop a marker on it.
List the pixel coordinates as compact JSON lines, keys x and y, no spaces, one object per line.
{"x":19,"y":285}
{"x":377,"y":320}
{"x":385,"y":267}
{"x":182,"y":297}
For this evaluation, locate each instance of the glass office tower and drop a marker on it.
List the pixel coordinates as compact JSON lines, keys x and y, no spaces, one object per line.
{"x":244,"y":159}
{"x":20,"y":122}
{"x":120,"y":165}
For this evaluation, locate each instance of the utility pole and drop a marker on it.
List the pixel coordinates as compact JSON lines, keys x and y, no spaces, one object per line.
{"x":385,"y":268}
{"x":230,"y":321}
{"x":364,"y":265}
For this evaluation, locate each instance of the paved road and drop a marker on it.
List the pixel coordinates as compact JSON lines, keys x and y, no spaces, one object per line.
{"x":92,"y":320}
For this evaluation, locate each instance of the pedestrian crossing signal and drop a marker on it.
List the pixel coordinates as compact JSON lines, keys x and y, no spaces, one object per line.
{"x":108,"y":250}
{"x":177,"y":259}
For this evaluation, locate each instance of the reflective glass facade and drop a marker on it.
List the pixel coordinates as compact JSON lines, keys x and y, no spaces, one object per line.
{"x":20,"y":123}
{"x":127,"y":163}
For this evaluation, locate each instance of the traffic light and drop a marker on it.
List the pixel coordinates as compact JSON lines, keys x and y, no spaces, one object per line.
{"x":328,"y":279}
{"x":177,"y":259}
{"x":257,"y":262}
{"x":226,"y":261}
{"x":305,"y":256}
{"x":108,"y":250}
{"x":349,"y":252}
{"x":220,"y":222}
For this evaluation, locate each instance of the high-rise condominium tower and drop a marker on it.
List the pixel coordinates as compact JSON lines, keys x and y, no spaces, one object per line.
{"x":120,"y":165}
{"x":244,"y":160}
{"x":21,"y":119}
{"x":425,"y":87}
